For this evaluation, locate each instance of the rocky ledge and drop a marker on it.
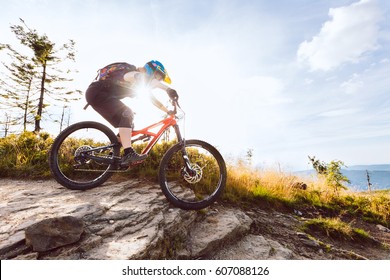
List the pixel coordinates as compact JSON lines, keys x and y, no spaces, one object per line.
{"x":133,"y":220}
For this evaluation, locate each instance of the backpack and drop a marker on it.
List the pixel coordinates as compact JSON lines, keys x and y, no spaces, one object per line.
{"x":114,"y":71}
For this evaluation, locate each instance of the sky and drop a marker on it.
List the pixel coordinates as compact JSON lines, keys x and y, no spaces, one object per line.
{"x":285,"y":79}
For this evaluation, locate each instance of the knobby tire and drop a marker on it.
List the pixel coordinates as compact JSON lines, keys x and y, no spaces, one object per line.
{"x":54,"y":156}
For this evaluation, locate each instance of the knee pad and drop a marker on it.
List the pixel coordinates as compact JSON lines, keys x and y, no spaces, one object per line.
{"x":127,"y":118}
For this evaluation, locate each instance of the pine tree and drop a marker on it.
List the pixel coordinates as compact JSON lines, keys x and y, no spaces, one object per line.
{"x":6,"y":124}
{"x":47,"y":60}
{"x":18,"y":89}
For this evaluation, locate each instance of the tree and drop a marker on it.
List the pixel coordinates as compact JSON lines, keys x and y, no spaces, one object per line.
{"x":6,"y":124}
{"x":331,"y":172}
{"x":17,"y":88}
{"x":65,"y":117}
{"x":249,"y":156}
{"x":47,"y":58}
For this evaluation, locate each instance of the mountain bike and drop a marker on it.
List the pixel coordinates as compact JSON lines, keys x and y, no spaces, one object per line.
{"x":192,"y":173}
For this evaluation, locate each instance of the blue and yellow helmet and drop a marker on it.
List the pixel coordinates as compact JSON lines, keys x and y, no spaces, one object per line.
{"x":152,"y":67}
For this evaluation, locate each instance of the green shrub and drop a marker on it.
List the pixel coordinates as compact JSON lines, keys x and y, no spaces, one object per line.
{"x":25,"y":155}
{"x":332,"y":173}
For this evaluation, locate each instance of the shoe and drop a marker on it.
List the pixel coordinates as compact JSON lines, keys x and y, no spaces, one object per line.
{"x":132,"y":157}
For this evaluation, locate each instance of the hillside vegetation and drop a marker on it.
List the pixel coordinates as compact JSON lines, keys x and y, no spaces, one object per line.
{"x":25,"y":156}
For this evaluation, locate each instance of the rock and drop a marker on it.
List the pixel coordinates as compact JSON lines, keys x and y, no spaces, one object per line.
{"x":216,"y":230}
{"x":255,"y":247}
{"x":125,"y":220}
{"x":298,"y":213}
{"x":307,"y":240}
{"x":383,"y":228}
{"x":30,"y":256}
{"x":54,"y":233}
{"x":311,"y":243}
{"x":299,"y":185}
{"x":133,"y":220}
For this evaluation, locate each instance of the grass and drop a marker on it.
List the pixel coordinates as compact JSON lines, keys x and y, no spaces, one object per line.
{"x":25,"y":156}
{"x":275,"y":189}
{"x":336,"y":229}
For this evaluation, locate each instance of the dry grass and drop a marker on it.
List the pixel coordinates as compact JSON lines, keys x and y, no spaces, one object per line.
{"x":272,"y":188}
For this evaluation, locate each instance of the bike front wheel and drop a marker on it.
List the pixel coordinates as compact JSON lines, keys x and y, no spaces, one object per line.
{"x":193,"y":175}
{"x":82,"y":155}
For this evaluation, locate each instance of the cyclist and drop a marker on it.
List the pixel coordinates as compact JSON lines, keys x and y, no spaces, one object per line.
{"x":119,"y":80}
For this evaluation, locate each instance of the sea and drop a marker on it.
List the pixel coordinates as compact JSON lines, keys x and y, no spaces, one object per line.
{"x":378,"y":176}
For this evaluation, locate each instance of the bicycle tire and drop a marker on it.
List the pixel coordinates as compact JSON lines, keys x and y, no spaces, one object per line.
{"x":197,"y":198}
{"x":55,"y":154}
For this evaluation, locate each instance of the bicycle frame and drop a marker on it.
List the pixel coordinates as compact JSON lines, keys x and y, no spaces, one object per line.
{"x":147,"y":133}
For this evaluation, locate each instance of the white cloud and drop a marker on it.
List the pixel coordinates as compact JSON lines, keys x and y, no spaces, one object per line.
{"x":351,"y":32}
{"x":385,"y":60}
{"x":339,"y":112}
{"x":352,"y":85}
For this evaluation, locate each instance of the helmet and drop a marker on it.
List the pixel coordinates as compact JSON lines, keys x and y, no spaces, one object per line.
{"x":152,"y":67}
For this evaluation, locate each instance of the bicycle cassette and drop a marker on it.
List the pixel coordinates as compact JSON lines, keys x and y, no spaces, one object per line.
{"x":78,"y":154}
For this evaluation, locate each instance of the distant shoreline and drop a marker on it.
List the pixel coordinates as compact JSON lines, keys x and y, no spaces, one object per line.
{"x":379,"y":176}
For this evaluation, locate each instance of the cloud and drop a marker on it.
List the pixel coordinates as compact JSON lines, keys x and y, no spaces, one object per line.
{"x":352,"y":85}
{"x":351,"y":32}
{"x":339,"y":112}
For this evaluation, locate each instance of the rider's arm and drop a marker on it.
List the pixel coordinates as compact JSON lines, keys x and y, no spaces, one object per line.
{"x":171,"y":92}
{"x":137,"y":77}
{"x":133,"y":77}
{"x":157,"y":84}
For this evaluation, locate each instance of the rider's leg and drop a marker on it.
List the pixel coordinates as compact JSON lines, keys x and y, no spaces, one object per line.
{"x":119,"y":116}
{"x":125,"y":130}
{"x":125,"y":125}
{"x":125,"y":136}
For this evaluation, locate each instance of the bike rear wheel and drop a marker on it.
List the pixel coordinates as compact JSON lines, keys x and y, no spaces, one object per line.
{"x":196,"y":187}
{"x":82,"y":156}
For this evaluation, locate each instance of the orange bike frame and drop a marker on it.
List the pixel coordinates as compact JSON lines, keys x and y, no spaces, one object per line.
{"x":147,"y":132}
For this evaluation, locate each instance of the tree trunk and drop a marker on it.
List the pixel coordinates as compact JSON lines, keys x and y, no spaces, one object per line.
{"x":26,"y":106}
{"x":38,"y":116}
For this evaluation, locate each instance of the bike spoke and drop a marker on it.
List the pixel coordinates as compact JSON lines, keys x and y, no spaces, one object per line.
{"x":82,"y":156}
{"x":197,"y":182}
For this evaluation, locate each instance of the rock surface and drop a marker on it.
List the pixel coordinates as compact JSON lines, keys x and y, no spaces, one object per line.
{"x":133,"y":220}
{"x":54,"y":233}
{"x":255,"y":247}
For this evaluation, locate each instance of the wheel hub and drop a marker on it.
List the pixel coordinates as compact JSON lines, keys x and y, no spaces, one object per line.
{"x":194,"y":175}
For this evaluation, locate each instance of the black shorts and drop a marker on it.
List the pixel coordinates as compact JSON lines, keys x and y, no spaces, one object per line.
{"x":105,"y":97}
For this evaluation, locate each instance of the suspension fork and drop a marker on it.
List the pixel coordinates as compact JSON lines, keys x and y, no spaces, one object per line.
{"x":182,"y":142}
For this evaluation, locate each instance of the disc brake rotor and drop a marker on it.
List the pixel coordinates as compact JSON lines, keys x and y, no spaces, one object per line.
{"x":196,"y":175}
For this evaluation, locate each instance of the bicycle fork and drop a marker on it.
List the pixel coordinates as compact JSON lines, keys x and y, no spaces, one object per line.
{"x":186,"y":159}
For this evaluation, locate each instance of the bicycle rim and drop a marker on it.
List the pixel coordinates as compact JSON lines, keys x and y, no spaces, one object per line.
{"x":196,"y":188}
{"x":72,"y":165}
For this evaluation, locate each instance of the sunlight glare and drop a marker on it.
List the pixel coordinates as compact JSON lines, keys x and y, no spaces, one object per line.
{"x":142,"y":90}
{"x":145,"y":112}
